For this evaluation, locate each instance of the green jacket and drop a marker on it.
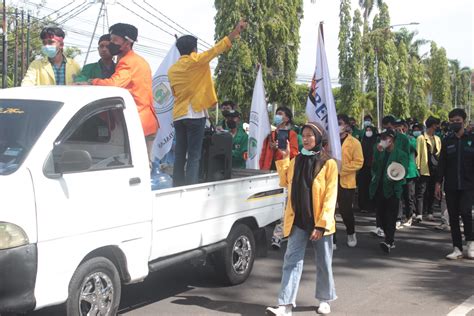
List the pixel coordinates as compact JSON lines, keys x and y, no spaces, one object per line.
{"x":239,"y":147}
{"x":390,"y":187}
{"x":92,"y":71}
{"x":357,"y":133}
{"x":412,"y":170}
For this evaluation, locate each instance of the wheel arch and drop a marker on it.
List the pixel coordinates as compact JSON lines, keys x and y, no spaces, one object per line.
{"x":259,"y":234}
{"x":115,"y":255}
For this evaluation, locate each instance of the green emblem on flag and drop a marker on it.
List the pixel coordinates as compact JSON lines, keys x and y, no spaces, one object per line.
{"x":252,"y":147}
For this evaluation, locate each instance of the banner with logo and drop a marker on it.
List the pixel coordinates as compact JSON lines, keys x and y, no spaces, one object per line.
{"x":320,"y":106}
{"x":163,"y":102}
{"x":259,"y":127}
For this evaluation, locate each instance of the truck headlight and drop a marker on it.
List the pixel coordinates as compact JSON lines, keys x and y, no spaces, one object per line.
{"x":12,"y":236}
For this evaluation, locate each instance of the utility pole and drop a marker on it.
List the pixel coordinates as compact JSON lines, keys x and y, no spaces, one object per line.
{"x":22,"y":69}
{"x":15,"y":58}
{"x":28,"y":20}
{"x":4,"y":45}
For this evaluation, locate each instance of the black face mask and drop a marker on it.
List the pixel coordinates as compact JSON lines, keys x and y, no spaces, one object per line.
{"x":231,"y":124}
{"x":114,"y":49}
{"x":455,"y":127}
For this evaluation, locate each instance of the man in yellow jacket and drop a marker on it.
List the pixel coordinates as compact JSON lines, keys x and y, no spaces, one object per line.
{"x":55,"y":69}
{"x":193,"y":90}
{"x":352,"y":161}
{"x":428,"y":148}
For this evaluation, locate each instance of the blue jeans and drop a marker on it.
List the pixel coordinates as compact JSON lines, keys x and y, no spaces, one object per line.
{"x":189,"y":137}
{"x":293,"y":267}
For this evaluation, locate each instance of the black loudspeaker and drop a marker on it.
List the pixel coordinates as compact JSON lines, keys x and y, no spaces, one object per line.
{"x":216,"y":157}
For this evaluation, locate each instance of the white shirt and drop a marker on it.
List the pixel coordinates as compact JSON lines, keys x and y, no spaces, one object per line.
{"x":192,"y":114}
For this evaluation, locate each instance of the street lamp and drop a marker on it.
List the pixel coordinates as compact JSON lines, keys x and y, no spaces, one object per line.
{"x":377,"y":81}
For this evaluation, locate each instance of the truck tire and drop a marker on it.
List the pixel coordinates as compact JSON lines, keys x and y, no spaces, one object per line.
{"x":235,"y":262}
{"x":94,"y":289}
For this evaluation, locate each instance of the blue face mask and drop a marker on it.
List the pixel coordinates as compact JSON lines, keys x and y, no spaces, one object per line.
{"x":49,"y":50}
{"x":306,"y":152}
{"x":277,"y":119}
{"x":416,"y":133}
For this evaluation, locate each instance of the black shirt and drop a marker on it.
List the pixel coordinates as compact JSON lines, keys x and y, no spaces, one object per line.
{"x":456,"y":162}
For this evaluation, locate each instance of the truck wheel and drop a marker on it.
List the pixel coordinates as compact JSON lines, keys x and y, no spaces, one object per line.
{"x":235,"y":262}
{"x":94,"y":289}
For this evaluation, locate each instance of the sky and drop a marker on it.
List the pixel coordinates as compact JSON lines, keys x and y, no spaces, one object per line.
{"x":449,"y":23}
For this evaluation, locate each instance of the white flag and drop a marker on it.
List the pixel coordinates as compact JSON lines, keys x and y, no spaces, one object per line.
{"x":163,"y":102}
{"x":320,"y":106}
{"x":259,"y":127}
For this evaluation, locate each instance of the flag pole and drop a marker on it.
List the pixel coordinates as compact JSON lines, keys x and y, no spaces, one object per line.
{"x":322,"y":29}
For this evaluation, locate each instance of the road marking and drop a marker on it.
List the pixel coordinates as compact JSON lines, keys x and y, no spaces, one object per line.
{"x":464,"y":308}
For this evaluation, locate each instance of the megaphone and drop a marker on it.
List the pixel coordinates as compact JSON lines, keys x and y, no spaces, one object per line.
{"x":396,"y":171}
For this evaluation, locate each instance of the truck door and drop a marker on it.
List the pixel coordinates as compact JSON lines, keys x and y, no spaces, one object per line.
{"x":98,"y":188}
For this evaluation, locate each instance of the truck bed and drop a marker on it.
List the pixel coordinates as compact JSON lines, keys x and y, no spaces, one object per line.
{"x":202,"y":214}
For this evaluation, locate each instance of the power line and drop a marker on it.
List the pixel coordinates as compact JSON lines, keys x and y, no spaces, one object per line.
{"x":72,"y":16}
{"x":56,"y":11}
{"x":69,"y":12}
{"x":172,"y":21}
{"x":141,"y":17}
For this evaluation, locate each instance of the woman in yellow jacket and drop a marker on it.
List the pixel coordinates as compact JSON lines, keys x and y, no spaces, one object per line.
{"x":311,"y":180}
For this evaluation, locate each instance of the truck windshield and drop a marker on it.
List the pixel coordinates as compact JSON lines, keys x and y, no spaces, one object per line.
{"x":21,"y":123}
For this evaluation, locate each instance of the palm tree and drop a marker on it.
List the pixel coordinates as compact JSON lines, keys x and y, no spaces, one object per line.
{"x":413,"y":46}
{"x":367,"y":6}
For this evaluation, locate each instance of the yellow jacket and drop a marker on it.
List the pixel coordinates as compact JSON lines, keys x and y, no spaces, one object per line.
{"x":324,"y":195}
{"x":422,"y":152}
{"x":41,"y":73}
{"x":352,"y":161}
{"x":191,"y":81}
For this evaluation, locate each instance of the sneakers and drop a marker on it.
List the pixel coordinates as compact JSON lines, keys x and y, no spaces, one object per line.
{"x":282,"y":310}
{"x":470,"y":250}
{"x":276,"y":243}
{"x":386,"y":247}
{"x":418,"y":219}
{"x":378,"y":232}
{"x":443,"y":227}
{"x":352,"y":240}
{"x":398,"y":225}
{"x":456,"y":254}
{"x":408,"y":223}
{"x":324,"y":308}
{"x":430,"y":217}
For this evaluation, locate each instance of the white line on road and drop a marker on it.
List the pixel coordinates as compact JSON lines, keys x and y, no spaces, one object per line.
{"x":464,"y":308}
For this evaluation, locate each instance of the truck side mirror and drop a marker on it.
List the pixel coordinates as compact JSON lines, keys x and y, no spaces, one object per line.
{"x":73,"y":161}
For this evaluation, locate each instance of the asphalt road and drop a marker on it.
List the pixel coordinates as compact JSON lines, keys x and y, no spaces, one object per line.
{"x":414,"y":279}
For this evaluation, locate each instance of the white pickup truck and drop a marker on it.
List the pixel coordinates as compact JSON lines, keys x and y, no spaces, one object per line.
{"x":78,"y":217}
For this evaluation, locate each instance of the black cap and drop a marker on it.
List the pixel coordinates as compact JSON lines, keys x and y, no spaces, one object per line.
{"x":388,"y":132}
{"x":127,"y":31}
{"x":231,"y":113}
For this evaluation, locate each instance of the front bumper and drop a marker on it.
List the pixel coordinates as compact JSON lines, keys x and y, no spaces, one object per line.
{"x":18,"y":268}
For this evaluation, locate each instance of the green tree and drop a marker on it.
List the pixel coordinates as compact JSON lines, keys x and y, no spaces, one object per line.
{"x":417,"y":96}
{"x":382,"y":47}
{"x":271,"y":39}
{"x":440,"y":78}
{"x":401,"y":106}
{"x":344,"y":54}
{"x":355,"y":66}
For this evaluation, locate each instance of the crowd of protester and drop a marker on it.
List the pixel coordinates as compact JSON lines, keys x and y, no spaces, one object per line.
{"x":401,"y":173}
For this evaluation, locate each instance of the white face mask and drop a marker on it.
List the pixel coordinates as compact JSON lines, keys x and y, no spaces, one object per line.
{"x":369,"y":134}
{"x":342,"y":129}
{"x":367,"y":123}
{"x":385,"y":143}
